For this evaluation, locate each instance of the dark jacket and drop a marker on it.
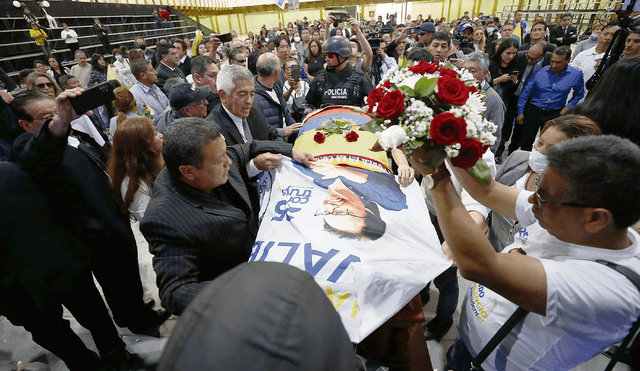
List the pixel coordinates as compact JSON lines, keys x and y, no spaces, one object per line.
{"x":102,"y":31}
{"x":214,"y":100}
{"x":290,"y":325}
{"x":347,"y":87}
{"x":196,"y":237}
{"x":185,"y":66}
{"x":167,"y":117}
{"x":274,"y":112}
{"x":556,"y":36}
{"x":260,"y":128}
{"x":165,"y":73}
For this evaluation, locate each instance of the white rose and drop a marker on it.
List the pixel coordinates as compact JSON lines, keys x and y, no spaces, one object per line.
{"x":410,"y":81}
{"x":392,"y":137}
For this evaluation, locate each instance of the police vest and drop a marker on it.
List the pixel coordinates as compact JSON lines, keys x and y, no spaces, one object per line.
{"x":347,"y":87}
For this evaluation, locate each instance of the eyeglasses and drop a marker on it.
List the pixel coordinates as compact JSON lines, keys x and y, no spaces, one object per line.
{"x":542,"y":202}
{"x":332,"y":55}
{"x":212,"y":75}
{"x":42,"y":86}
{"x":203,"y":103}
{"x":533,"y":59}
{"x":336,"y":211}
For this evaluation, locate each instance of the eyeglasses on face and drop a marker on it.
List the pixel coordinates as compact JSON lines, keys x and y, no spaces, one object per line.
{"x":211,"y":75}
{"x":336,"y":211}
{"x":203,"y":103}
{"x":559,"y":203}
{"x":46,"y":84}
{"x":533,"y":59}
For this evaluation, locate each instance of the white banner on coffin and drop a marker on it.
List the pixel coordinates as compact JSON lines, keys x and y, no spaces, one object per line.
{"x":368,"y":281}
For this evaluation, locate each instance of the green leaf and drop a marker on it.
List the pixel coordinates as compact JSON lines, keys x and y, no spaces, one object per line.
{"x":425,"y":86}
{"x":480,"y":172}
{"x":407,"y":91}
{"x":448,"y":65}
{"x":340,"y":123}
{"x":374,"y":126}
{"x":415,"y":144}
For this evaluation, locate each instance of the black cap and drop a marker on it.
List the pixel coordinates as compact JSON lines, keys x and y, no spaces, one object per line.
{"x":428,"y":27}
{"x":181,"y":95}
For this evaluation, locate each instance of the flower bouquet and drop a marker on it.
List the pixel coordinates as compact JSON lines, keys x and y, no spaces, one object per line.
{"x":432,"y":111}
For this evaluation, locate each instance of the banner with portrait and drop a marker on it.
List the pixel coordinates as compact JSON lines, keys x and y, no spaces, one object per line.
{"x":368,"y":242}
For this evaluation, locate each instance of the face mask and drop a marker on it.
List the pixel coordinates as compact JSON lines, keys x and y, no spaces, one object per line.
{"x":119,"y":57}
{"x":400,"y":51}
{"x":594,"y":36}
{"x":537,"y":161}
{"x":296,"y":39}
{"x":142,"y":46}
{"x":490,"y":29}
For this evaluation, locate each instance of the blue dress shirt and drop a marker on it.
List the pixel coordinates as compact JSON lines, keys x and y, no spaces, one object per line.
{"x":547,"y":90}
{"x":151,"y":97}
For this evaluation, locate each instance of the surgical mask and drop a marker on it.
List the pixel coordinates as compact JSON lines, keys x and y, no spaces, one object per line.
{"x":537,"y":161}
{"x":119,"y":57}
{"x":142,"y":46}
{"x":490,"y":29}
{"x":296,"y":39}
{"x":594,"y":36}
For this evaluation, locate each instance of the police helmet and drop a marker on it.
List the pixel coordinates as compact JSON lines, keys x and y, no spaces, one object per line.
{"x":338,"y":45}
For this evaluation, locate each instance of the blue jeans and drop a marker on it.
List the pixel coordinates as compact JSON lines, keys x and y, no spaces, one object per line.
{"x":458,"y":356}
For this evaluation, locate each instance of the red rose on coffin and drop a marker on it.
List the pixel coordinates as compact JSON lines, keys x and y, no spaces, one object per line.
{"x":470,"y":153}
{"x":391,"y":106}
{"x":423,"y":67}
{"x":319,"y":137}
{"x":352,"y":136}
{"x":447,"y":129}
{"x":449,"y":72}
{"x":387,"y":84}
{"x":452,"y":90}
{"x":374,"y":97}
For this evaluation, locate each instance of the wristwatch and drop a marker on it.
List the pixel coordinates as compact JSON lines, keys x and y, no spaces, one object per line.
{"x":431,"y":180}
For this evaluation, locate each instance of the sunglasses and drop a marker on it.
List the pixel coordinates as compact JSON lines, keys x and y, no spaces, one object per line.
{"x":332,"y":55}
{"x":42,"y":86}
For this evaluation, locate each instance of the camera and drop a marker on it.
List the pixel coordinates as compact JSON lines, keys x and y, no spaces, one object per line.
{"x":339,"y":17}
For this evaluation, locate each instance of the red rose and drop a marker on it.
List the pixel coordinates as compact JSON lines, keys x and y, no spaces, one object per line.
{"x":391,"y":106}
{"x":374,"y":97}
{"x":470,"y":152}
{"x":387,"y":84}
{"x":449,"y":72}
{"x":319,"y":137}
{"x":473,"y":89}
{"x":423,"y":67}
{"x":452,"y":90}
{"x":447,"y":129}
{"x":352,"y":136}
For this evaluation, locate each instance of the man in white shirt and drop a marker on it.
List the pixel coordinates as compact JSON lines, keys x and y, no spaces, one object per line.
{"x":70,"y":37}
{"x":147,"y":94}
{"x":576,"y":305}
{"x":586,"y":61}
{"x":82,"y":70}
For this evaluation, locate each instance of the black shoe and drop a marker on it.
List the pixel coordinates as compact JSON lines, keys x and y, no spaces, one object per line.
{"x":122,"y":360}
{"x":436,"y":329}
{"x":150,"y":325}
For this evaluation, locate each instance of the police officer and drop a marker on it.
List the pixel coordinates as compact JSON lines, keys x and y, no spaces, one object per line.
{"x":340,"y":83}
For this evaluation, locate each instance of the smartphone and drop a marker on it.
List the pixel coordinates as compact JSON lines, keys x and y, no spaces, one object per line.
{"x":295,"y":72}
{"x":339,"y":17}
{"x":413,"y":30}
{"x":225,"y":37}
{"x":95,"y":97}
{"x":514,"y":73}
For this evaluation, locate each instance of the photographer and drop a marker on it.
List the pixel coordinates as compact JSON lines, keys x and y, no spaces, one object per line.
{"x":360,"y":47}
{"x":382,"y":63}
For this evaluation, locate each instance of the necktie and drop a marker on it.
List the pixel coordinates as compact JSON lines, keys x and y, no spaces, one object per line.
{"x":247,"y":131}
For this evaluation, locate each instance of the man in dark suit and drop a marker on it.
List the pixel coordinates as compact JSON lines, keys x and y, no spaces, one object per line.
{"x":202,"y":219}
{"x":168,"y":66}
{"x":184,"y":61}
{"x":239,"y":119}
{"x":529,"y":62}
{"x":205,"y":73}
{"x":103,"y":35}
{"x":565,"y":33}
{"x":79,"y":191}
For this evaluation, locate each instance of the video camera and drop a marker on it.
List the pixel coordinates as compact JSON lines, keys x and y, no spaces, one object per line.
{"x":375,"y":37}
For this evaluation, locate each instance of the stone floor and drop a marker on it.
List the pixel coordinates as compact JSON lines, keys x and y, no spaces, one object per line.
{"x":16,"y":344}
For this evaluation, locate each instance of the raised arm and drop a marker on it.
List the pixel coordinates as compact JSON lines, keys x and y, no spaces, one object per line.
{"x":367,"y":56}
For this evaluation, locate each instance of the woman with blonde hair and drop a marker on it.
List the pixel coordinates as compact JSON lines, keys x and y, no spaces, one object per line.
{"x":43,"y":83}
{"x":136,"y":160}
{"x":126,"y":105}
{"x":479,"y":39}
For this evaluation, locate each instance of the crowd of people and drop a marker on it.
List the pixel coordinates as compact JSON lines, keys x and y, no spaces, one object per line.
{"x":193,"y":125}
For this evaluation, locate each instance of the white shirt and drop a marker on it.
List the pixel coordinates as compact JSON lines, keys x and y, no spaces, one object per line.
{"x":586,"y":62}
{"x":589,"y":306}
{"x":69,"y":32}
{"x":252,"y":170}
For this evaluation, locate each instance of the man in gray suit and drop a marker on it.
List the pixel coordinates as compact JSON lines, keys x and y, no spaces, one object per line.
{"x":202,"y":220}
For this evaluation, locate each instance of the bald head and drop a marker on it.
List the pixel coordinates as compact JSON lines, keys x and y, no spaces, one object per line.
{"x":268,"y":68}
{"x":535,"y":53}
